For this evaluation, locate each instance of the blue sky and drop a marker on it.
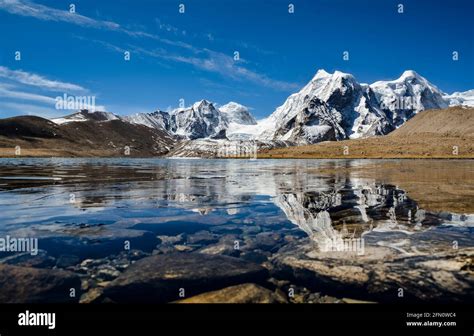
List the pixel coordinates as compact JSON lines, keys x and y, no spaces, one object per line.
{"x":190,"y":55}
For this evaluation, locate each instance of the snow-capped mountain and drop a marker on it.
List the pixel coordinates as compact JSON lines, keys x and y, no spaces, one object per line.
{"x":335,"y":107}
{"x":241,"y":123}
{"x":237,"y":113}
{"x":404,"y":97}
{"x":330,"y":107}
{"x":460,"y":98}
{"x":201,"y":120}
{"x":157,"y":119}
{"x":86,"y":115}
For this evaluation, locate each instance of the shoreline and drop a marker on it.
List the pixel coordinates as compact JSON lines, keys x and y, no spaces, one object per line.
{"x":240,"y":158}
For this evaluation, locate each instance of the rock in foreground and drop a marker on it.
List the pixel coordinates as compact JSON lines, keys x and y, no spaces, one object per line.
{"x":161,"y":278}
{"x":444,"y":277}
{"x":245,"y":293}
{"x":32,"y":285}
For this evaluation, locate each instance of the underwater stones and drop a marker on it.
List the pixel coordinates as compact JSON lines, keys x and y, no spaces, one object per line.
{"x":244,"y":293}
{"x":380,"y":275}
{"x":66,"y":260}
{"x":227,"y":245}
{"x":159,"y":278}
{"x":202,"y":237}
{"x":33,"y":285}
{"x":40,"y":260}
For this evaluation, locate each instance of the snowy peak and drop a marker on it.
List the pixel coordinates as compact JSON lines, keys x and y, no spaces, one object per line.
{"x":402,"y":98}
{"x":460,"y":98}
{"x":158,"y":119}
{"x":335,"y":106}
{"x":201,"y":120}
{"x":203,"y":105}
{"x":236,"y":113}
{"x":321,"y":73}
{"x":409,"y":74}
{"x":86,"y":115}
{"x":331,"y":106}
{"x":325,"y":109}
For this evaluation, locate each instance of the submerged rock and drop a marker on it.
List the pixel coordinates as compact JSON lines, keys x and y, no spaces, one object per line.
{"x":161,"y":278}
{"x":225,"y":246}
{"x":255,"y":256}
{"x":381,"y":275}
{"x":66,"y":260}
{"x":107,"y":273}
{"x":92,"y":296}
{"x":245,"y":293}
{"x":202,"y":237}
{"x":33,"y":285}
{"x":41,"y":260}
{"x":267,"y":241}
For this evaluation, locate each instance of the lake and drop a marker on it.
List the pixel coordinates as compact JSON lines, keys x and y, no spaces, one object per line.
{"x":309,"y":231}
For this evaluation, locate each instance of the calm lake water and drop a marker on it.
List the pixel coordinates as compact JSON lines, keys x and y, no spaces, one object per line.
{"x":96,"y":217}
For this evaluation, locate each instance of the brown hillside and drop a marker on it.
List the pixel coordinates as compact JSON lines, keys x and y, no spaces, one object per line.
{"x":41,"y":137}
{"x":451,"y":122}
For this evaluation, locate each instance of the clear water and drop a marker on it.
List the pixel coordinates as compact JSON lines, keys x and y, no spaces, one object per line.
{"x":88,"y":208}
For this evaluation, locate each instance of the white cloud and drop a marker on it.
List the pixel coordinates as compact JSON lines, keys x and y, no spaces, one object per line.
{"x":17,"y":96}
{"x":211,"y":61}
{"x":203,"y":59}
{"x":36,"y":80}
{"x":7,"y":93}
{"x":224,"y":65}
{"x":45,"y":13}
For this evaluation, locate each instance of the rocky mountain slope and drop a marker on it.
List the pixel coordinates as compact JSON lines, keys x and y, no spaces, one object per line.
{"x":336,"y":107}
{"x":330,"y":107}
{"x":201,"y":120}
{"x":452,"y":122}
{"x":445,"y":133}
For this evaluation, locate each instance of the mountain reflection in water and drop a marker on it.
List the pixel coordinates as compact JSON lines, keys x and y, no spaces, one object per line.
{"x":87,"y":208}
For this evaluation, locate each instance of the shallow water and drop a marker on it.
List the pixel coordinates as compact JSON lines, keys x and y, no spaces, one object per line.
{"x":92,"y":208}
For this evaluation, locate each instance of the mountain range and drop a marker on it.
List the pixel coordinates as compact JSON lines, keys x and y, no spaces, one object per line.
{"x":330,"y":107}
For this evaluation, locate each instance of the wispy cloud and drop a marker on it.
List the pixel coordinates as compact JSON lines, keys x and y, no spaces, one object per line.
{"x":6,"y":92}
{"x":39,"y":81}
{"x":208,"y":60}
{"x":201,"y":58}
{"x":41,"y":12}
{"x":29,"y":93}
